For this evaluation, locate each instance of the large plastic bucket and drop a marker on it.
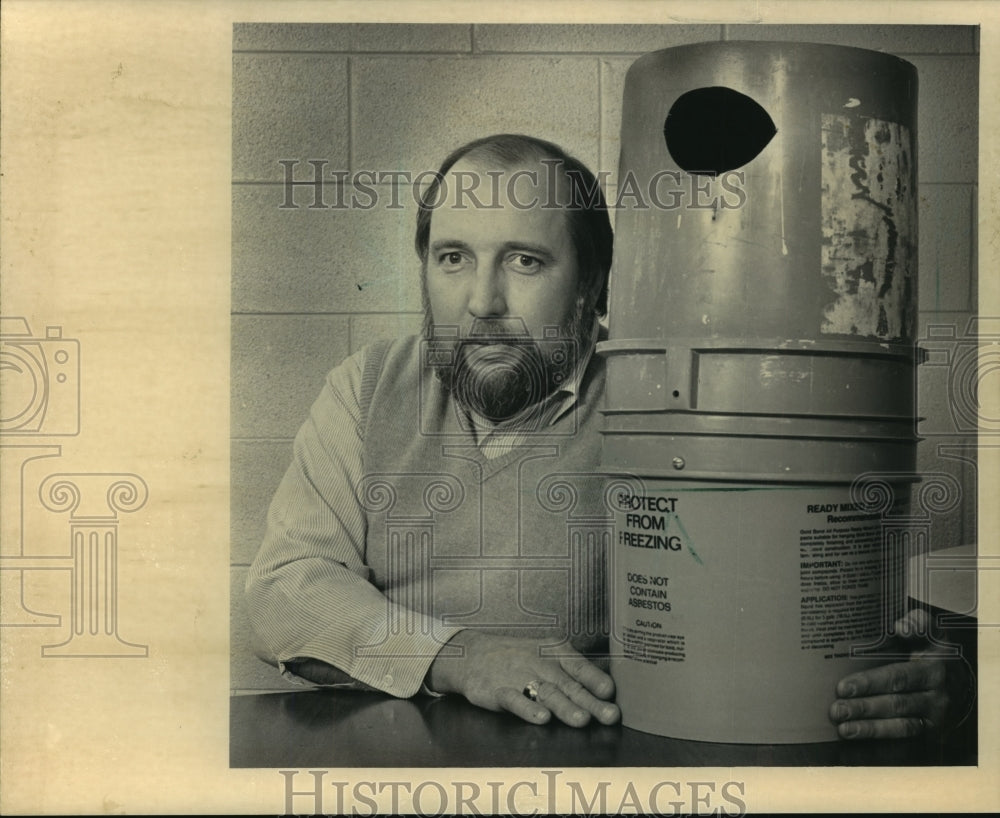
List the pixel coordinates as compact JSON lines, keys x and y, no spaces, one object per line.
{"x":760,"y":363}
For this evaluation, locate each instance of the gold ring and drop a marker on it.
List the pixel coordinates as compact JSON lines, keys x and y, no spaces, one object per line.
{"x":531,"y":689}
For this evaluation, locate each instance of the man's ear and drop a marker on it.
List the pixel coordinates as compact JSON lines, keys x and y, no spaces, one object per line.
{"x":587,"y":301}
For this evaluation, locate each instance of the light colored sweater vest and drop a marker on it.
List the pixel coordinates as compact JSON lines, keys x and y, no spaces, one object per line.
{"x":516,"y":545}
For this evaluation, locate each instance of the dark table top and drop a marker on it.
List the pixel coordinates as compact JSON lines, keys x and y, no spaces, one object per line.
{"x":330,"y":729}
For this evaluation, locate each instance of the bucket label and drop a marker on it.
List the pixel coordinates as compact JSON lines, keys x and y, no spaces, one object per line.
{"x":748,"y":603}
{"x":840,"y":570}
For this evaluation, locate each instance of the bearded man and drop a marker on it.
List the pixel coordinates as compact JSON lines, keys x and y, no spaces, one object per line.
{"x":440,"y":527}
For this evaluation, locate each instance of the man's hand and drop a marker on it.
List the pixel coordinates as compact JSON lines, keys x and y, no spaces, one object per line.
{"x":903,"y":699}
{"x":493,"y":671}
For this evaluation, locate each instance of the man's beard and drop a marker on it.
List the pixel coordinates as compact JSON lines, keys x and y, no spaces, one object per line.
{"x":498,"y":370}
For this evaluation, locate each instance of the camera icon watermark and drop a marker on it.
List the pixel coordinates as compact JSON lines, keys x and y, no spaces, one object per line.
{"x":39,"y":381}
{"x":40,"y":391}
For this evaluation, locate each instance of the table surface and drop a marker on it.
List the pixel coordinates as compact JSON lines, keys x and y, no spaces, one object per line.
{"x":326,"y":728}
{"x":330,"y":729}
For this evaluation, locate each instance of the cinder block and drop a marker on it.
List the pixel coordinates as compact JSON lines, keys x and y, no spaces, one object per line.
{"x":974,"y":251}
{"x":412,"y":37}
{"x":331,"y":259}
{"x":278,"y":366}
{"x":287,"y":106}
{"x":947,"y":407}
{"x":946,"y":497}
{"x":965,"y":455}
{"x":891,"y":39}
{"x":948,"y":118}
{"x":256,"y":468}
{"x":347,"y":37}
{"x":246,"y":672}
{"x":292,"y":36}
{"x":410,"y":112}
{"x":368,"y":328}
{"x":613,"y":73}
{"x":947,"y":380}
{"x":622,"y":39}
{"x":946,"y":237}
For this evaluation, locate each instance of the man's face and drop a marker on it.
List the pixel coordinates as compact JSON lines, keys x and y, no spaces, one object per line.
{"x":502,"y":276}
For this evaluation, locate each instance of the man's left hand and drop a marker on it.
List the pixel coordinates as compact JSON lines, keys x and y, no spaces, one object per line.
{"x":906,"y":698}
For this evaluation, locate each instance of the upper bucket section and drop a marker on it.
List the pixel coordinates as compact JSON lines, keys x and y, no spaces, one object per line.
{"x":767,"y":191}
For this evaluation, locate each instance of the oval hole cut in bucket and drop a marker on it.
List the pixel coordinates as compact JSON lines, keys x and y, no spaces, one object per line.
{"x":716,"y":129}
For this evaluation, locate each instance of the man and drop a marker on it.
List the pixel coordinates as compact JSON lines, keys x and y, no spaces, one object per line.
{"x":418,"y":542}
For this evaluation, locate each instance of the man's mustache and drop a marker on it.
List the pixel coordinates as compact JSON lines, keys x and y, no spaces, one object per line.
{"x":489,"y":329}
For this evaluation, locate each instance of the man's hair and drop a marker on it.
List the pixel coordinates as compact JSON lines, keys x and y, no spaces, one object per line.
{"x":586,"y":209}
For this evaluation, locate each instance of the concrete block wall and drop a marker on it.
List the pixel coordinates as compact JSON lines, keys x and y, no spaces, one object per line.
{"x":313,"y":284}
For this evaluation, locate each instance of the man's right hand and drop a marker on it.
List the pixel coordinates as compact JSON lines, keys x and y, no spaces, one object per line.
{"x":492,"y":672}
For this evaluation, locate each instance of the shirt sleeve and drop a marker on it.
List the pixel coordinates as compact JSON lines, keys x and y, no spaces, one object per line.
{"x":308,"y":591}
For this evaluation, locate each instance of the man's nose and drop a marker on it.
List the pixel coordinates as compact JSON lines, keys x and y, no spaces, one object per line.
{"x":488,"y":297}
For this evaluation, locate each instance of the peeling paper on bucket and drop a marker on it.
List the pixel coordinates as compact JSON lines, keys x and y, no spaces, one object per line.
{"x":868,"y":224}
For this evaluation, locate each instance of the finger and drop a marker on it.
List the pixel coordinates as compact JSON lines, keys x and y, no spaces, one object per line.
{"x":883,"y":728}
{"x":605,"y":712}
{"x":895,"y":678}
{"x":564,"y":709}
{"x":887,"y":706}
{"x":514,"y":701}
{"x":589,"y":675}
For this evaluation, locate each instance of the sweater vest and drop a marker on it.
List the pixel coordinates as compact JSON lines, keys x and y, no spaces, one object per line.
{"x":515,"y":545}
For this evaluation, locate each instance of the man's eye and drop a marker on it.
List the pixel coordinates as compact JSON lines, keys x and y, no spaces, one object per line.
{"x":451,"y":261}
{"x":523,"y":263}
